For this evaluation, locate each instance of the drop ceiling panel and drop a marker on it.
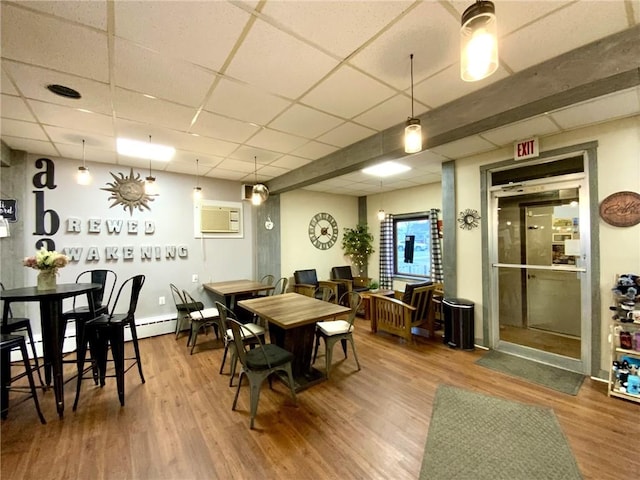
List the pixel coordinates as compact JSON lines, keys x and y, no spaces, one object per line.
{"x":347,"y":93}
{"x":270,"y":171}
{"x":30,"y":145}
{"x":244,"y":102}
{"x":216,"y":126}
{"x":5,"y":83}
{"x":224,"y":174}
{"x":71,"y":118}
{"x":305,"y":122}
{"x":68,"y":136}
{"x":52,"y":43}
{"x":537,"y":126}
{"x":147,"y":72}
{"x":203,"y":33}
{"x":464,"y":147}
{"x":276,"y":141}
{"x":247,"y":153}
{"x":345,"y":25}
{"x":346,"y":134}
{"x":15,"y":108}
{"x":387,"y":57}
{"x":550,"y":37}
{"x":610,"y":106}
{"x":18,"y":128}
{"x":290,"y":162}
{"x":93,"y":13}
{"x":90,"y":154}
{"x":135,"y":106}
{"x":390,"y":112}
{"x":33,"y":81}
{"x":265,"y":59}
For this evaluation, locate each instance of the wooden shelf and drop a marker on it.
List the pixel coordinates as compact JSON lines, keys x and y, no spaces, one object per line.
{"x":626,"y":396}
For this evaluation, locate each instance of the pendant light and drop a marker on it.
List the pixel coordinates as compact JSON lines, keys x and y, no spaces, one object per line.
{"x":197,"y":190}
{"x":413,"y":130}
{"x":83,"y":177}
{"x":150,"y":186}
{"x":478,"y":41}
{"x":260,"y":192}
{"x":381,"y":213}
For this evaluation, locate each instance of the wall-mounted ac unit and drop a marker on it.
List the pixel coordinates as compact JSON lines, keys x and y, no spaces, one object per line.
{"x":246,"y":192}
{"x":219,"y":219}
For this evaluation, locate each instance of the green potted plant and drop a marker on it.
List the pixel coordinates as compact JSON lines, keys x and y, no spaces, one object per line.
{"x":357,"y":243}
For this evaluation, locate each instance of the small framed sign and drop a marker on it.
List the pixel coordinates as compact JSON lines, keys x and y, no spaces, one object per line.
{"x":621,"y":209}
{"x":9,"y":209}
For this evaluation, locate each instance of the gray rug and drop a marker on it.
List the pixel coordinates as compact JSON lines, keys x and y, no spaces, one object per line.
{"x":475,"y":436}
{"x":551,"y":377}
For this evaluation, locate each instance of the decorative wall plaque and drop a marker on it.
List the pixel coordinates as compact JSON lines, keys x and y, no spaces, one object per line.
{"x":128,"y":192}
{"x":621,"y":209}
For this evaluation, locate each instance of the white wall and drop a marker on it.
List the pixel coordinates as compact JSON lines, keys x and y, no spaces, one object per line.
{"x":298,"y":253}
{"x":172,"y":214}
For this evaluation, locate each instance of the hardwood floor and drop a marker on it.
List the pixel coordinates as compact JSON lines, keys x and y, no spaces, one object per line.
{"x":369,"y":424}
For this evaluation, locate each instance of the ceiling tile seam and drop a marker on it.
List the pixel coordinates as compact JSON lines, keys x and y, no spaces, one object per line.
{"x":23,"y":6}
{"x":28,"y":106}
{"x":225,"y":65}
{"x":111,"y":27}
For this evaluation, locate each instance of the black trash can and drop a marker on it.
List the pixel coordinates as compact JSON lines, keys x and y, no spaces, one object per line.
{"x":458,"y":323}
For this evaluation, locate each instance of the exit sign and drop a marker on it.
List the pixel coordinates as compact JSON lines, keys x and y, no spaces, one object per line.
{"x":527,"y":148}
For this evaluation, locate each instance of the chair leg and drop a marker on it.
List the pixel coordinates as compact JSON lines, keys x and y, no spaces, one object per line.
{"x":234,"y":365}
{"x":5,"y":376}
{"x":35,"y":354}
{"x":353,"y":347}
{"x":194,"y":335}
{"x":315,"y":350}
{"x":116,"y":340}
{"x":328,"y":346}
{"x":224,"y":356}
{"x":343,"y":341}
{"x":100,"y":344}
{"x":254,"y":398}
{"x":32,"y":385}
{"x":136,"y":348}
{"x":235,"y":399}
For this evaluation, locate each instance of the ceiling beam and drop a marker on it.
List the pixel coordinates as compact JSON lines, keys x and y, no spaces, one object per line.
{"x":599,"y":68}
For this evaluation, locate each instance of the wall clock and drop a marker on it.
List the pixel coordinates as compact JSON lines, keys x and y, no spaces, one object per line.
{"x":468,"y":219}
{"x":323,"y":231}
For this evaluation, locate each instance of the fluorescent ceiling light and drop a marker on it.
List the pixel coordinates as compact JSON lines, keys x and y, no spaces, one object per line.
{"x":386,"y":169}
{"x":147,"y":150}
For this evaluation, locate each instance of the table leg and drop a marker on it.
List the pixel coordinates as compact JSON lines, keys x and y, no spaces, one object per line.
{"x":298,"y":341}
{"x":5,"y":367}
{"x":53,"y":327}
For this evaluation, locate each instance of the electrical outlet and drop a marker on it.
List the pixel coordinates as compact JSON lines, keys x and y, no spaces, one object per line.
{"x":194,"y":278}
{"x":161,"y":301}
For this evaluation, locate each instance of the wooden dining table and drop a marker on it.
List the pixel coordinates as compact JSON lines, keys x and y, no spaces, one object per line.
{"x":229,"y":291}
{"x":292,"y":323}
{"x":53,"y":325}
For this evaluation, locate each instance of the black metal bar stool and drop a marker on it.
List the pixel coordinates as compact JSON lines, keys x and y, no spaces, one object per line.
{"x":8,"y":343}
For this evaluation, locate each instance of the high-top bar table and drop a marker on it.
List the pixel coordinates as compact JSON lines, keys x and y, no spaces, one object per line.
{"x":53,"y":325}
{"x":292,"y":324}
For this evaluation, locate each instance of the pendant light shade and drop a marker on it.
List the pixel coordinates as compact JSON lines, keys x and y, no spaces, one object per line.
{"x":478,"y":42}
{"x":197,"y":190}
{"x":83,"y":177}
{"x":260,"y":192}
{"x":413,"y":130}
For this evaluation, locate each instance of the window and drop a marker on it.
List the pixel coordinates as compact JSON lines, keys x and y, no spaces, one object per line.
{"x":412,"y":238}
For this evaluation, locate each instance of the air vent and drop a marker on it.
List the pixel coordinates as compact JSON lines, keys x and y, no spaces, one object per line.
{"x":63,"y":91}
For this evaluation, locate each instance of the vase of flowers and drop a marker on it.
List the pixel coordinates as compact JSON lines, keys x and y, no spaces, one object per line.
{"x":48,"y":263}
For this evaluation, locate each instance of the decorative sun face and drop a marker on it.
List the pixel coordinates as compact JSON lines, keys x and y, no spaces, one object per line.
{"x":128,"y":192}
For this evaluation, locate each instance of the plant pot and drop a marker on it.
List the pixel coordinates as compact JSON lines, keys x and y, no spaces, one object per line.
{"x":46,"y":280}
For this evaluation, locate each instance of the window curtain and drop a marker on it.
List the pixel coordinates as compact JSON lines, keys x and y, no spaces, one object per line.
{"x":436,"y":246}
{"x":386,"y":253}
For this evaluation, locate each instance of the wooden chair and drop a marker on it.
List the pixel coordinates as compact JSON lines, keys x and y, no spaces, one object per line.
{"x":400,"y":316}
{"x":306,"y":283}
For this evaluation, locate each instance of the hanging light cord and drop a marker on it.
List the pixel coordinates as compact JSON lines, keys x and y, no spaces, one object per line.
{"x":411,"y":57}
{"x":197,"y":176}
{"x":83,"y":162}
{"x":255,"y":168}
{"x":150,"y":158}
